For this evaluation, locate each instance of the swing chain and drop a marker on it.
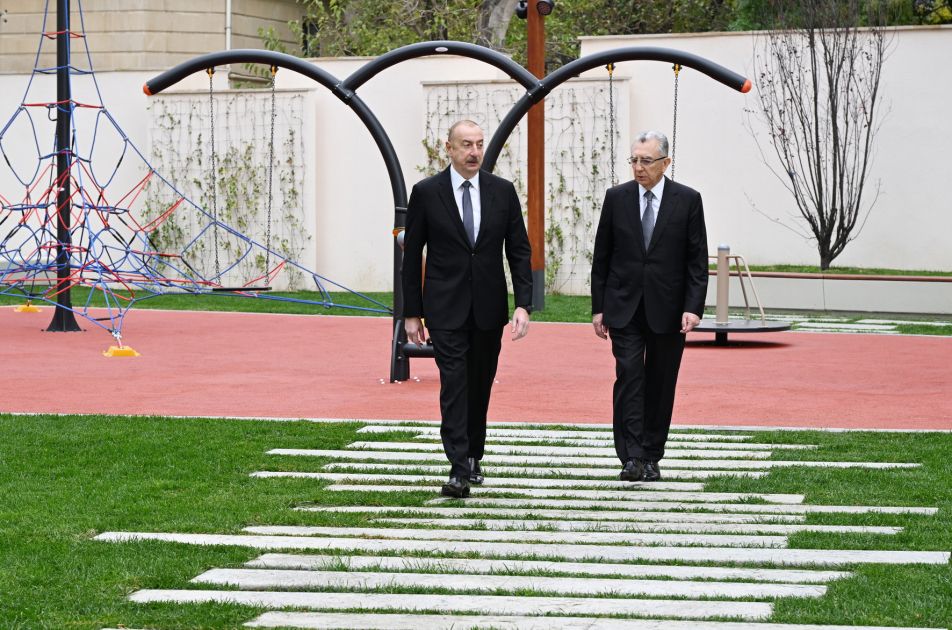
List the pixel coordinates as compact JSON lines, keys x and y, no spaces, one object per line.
{"x":674,"y":126}
{"x":611,"y":122}
{"x":274,"y":113}
{"x":214,"y":178}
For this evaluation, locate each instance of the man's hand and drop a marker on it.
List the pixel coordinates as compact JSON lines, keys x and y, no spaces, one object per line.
{"x":415,"y":331}
{"x":520,"y":323}
{"x":600,"y":329}
{"x":689,"y":321}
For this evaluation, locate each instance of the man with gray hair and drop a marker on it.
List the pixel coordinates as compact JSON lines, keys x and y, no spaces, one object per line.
{"x":649,"y":281}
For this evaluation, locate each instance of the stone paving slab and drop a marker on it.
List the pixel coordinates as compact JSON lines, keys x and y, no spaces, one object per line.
{"x":755,"y":508}
{"x":573,"y":538}
{"x":609,"y":443}
{"x":606,"y":515}
{"x":494,"y":471}
{"x":594,"y":433}
{"x":491,"y":604}
{"x":344,"y":621}
{"x":606,"y":462}
{"x":560,"y":451}
{"x":491,"y":482}
{"x":480,"y":566}
{"x":635,"y":493}
{"x":618,"y":553}
{"x":615,"y":526}
{"x":262,"y":579}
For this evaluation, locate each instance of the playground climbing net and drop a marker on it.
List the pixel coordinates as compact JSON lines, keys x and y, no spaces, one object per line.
{"x":120,"y":212}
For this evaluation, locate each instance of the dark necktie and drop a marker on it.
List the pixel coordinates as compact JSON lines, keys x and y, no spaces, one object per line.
{"x":468,"y":213}
{"x":648,"y":218}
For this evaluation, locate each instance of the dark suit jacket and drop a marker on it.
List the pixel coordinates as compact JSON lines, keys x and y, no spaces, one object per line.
{"x":460,"y":277}
{"x":671,"y":276}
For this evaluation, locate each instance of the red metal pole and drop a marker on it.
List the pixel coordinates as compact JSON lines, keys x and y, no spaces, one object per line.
{"x":536,"y":160}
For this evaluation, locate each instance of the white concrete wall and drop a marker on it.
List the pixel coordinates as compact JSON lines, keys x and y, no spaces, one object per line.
{"x":911,"y":223}
{"x":348,"y":193}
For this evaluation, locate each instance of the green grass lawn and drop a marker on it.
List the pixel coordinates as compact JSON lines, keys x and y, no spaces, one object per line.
{"x":65,"y":479}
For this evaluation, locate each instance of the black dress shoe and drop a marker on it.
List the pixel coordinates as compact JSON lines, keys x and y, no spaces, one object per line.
{"x":632,"y":471}
{"x":475,"y":472}
{"x":456,"y":487}
{"x":651,"y":471}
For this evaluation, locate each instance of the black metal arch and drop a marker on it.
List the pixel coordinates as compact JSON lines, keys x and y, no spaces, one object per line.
{"x":441,"y":47}
{"x":204,"y":62}
{"x":575,"y":68}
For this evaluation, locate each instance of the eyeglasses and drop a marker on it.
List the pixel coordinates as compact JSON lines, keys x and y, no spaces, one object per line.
{"x":644,"y":161}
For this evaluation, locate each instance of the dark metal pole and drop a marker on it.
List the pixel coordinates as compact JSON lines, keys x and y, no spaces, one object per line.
{"x":63,"y":318}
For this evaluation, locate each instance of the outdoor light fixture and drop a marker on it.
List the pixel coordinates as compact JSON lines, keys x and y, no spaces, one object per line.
{"x":522,"y":10}
{"x":543,"y":7}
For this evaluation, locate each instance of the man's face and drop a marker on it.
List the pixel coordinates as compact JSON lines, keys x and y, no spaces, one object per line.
{"x":465,"y":148}
{"x":648,"y":174}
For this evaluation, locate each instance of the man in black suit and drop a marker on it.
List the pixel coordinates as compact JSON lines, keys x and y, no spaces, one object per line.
{"x":466,"y":218}
{"x":649,"y":280}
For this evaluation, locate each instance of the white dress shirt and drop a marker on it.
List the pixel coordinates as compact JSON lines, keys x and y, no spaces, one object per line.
{"x":457,"y":182}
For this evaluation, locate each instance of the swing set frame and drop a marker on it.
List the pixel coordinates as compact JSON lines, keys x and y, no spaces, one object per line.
{"x":345,"y":90}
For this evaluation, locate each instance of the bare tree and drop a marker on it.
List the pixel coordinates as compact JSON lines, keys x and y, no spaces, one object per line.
{"x":818,"y":88}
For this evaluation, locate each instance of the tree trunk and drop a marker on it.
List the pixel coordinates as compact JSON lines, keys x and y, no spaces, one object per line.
{"x":493,"y":22}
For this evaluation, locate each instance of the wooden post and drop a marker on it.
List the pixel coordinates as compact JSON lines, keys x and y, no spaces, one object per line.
{"x":536,"y":159}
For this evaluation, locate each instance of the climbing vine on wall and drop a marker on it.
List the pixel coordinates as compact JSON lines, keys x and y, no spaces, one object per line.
{"x":237,"y":191}
{"x":578,"y":161}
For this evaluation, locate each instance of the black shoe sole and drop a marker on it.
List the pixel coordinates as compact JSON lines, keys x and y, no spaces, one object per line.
{"x":453,"y":494}
{"x":635,"y":475}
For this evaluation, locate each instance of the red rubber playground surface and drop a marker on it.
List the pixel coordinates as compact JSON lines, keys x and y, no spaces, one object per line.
{"x":287,"y":366}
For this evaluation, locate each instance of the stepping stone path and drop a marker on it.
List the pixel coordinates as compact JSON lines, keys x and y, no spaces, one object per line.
{"x":574,"y":537}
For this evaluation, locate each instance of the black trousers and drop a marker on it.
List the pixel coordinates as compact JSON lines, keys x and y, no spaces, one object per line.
{"x":646,"y":374}
{"x":467,"y":359}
